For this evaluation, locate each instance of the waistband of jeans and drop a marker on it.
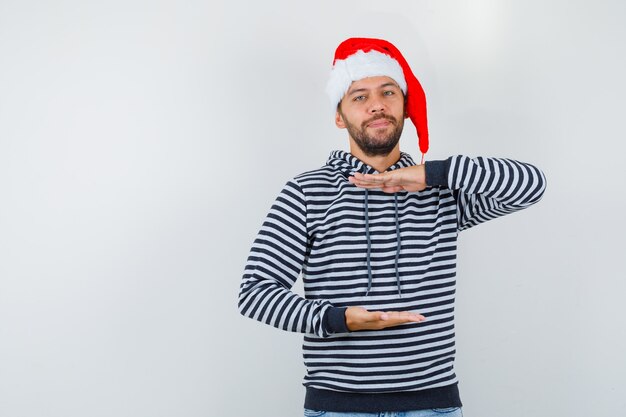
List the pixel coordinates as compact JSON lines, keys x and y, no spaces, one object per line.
{"x":327,"y":400}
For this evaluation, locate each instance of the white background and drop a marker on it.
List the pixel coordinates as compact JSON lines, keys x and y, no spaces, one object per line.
{"x":142,"y":143}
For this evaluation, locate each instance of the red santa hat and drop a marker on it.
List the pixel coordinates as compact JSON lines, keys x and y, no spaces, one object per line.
{"x":358,"y":58}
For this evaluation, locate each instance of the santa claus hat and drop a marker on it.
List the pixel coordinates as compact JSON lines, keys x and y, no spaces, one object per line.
{"x":358,"y":58}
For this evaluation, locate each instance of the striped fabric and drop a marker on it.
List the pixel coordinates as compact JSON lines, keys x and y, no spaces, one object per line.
{"x":316,"y":228}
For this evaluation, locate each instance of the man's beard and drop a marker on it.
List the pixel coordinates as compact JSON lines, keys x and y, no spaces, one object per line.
{"x":375,"y":144}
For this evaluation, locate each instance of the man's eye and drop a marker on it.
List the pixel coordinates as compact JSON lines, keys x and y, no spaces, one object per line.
{"x":388,"y":93}
{"x":359,"y":98}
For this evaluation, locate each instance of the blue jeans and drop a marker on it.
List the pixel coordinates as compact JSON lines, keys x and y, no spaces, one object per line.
{"x":437,"y":412}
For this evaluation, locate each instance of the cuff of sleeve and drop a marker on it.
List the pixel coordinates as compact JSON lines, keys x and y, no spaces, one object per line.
{"x":336,"y":320}
{"x":437,"y":173}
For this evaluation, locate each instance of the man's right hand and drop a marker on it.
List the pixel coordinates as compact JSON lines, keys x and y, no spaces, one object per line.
{"x":358,"y":318}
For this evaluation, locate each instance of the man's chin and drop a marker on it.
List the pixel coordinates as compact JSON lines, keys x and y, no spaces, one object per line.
{"x":377,"y":150}
{"x":374,"y":154}
{"x":376,"y":144}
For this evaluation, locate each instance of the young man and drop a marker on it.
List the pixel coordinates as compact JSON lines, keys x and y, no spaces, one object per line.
{"x":374,"y":236}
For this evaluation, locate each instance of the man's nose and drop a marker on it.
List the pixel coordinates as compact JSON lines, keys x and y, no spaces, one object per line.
{"x":376,"y":106}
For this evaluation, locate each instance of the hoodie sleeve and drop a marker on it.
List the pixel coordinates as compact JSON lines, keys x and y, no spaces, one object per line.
{"x":486,"y":188}
{"x":276,"y":259}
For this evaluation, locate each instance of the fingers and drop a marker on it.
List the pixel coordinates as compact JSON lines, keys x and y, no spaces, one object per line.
{"x":410,"y":179}
{"x":363,"y":184}
{"x":402,"y":317}
{"x":392,"y":319}
{"x":387,"y":188}
{"x":358,"y":318}
{"x":374,"y":179}
{"x":391,"y":185}
{"x":388,"y":185}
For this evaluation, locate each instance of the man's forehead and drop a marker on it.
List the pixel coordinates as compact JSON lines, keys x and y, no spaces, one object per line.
{"x":370,"y":83}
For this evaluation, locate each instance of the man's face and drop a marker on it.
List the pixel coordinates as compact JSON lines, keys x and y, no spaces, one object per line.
{"x":373,"y":113}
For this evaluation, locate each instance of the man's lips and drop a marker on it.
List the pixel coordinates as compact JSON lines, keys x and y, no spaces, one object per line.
{"x":379,"y":123}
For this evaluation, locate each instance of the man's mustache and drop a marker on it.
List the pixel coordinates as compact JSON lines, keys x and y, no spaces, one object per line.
{"x":377,"y":117}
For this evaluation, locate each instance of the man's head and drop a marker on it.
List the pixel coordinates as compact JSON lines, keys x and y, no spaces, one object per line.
{"x":372,"y":110}
{"x":377,"y":68}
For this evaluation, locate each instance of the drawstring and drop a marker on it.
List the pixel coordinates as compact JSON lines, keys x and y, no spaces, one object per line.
{"x":395,"y":200}
{"x":369,"y":243}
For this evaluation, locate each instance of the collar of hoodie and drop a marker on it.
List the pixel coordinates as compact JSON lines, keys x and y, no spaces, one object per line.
{"x":348,"y":164}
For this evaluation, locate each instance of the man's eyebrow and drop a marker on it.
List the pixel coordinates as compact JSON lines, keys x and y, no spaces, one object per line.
{"x":362,"y":90}
{"x":357,"y":90}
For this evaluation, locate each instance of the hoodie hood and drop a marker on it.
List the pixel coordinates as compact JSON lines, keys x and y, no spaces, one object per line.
{"x":348,"y":164}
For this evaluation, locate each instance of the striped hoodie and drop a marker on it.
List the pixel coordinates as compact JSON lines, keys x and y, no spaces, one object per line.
{"x":388,"y":252}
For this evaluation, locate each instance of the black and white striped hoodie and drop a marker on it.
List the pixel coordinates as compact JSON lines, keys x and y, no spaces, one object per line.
{"x":388,"y":252}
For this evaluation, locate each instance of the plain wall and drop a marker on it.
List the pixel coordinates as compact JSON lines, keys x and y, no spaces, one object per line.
{"x":143,"y":142}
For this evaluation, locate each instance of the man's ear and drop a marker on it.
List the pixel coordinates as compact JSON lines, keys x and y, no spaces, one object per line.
{"x":339,"y":120}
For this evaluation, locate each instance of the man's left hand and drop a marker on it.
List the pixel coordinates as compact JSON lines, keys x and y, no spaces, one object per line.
{"x":411,"y":178}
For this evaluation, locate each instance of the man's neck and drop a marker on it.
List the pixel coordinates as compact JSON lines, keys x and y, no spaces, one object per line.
{"x":379,"y":163}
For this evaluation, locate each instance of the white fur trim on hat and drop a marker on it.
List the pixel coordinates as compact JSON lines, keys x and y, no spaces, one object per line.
{"x":358,"y":66}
